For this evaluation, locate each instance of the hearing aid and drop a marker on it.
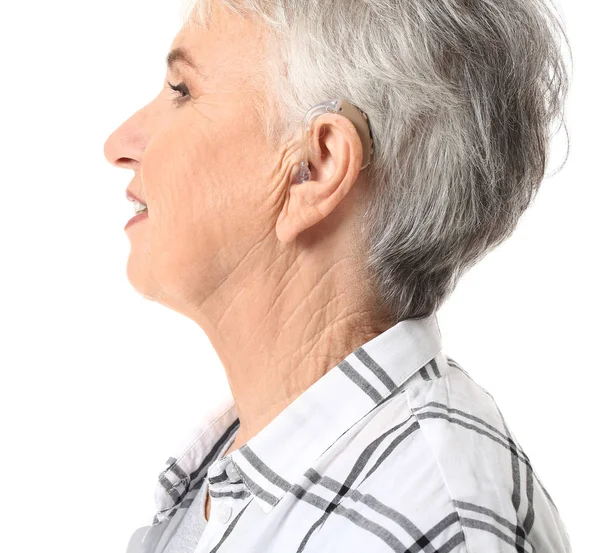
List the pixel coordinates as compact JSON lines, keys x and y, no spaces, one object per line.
{"x":342,"y":107}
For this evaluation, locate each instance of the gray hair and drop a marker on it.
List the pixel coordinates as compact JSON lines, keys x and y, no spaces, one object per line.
{"x":460,"y":97}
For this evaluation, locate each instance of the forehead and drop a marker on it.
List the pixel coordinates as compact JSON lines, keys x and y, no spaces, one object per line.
{"x":229,"y":50}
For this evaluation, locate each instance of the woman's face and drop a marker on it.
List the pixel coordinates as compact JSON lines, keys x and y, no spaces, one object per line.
{"x":202,"y":166}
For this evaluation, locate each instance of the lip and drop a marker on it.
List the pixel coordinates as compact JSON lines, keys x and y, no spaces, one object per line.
{"x":139,"y":217}
{"x":130,"y":195}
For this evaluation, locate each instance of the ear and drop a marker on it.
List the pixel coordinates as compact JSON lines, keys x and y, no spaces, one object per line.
{"x":335,"y":156}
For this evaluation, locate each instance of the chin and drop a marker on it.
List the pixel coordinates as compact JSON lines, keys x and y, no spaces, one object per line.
{"x":137,"y":275}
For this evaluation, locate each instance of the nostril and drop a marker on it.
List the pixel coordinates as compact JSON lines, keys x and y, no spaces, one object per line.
{"x":125,"y":162}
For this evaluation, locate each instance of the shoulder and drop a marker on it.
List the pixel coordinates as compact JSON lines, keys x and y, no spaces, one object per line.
{"x":433,"y":467}
{"x":501,"y":503}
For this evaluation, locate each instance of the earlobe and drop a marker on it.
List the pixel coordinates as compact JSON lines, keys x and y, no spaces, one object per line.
{"x":284,"y":228}
{"x":294,"y":217}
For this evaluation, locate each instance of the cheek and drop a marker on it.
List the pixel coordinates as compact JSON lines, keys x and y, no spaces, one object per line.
{"x":223,"y":174}
{"x":166,"y":173}
{"x":206,"y":195}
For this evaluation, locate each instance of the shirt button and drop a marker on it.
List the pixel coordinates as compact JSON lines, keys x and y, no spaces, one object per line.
{"x":232,"y":472}
{"x":224,"y":513}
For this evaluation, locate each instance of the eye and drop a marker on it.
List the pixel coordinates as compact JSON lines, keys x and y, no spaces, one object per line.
{"x":183,"y":90}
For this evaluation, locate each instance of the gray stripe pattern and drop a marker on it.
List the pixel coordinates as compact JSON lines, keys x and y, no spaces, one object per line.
{"x":399,"y":472}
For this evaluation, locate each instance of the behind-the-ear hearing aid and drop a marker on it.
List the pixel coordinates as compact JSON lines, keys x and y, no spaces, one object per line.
{"x":341,"y":107}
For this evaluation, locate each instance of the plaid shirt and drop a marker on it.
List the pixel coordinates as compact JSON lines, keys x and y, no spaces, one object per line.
{"x":396,"y":448}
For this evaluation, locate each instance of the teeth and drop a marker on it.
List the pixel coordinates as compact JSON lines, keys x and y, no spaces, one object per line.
{"x":139,"y":206}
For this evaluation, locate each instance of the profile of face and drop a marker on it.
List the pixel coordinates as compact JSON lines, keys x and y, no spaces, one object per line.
{"x":219,"y":195}
{"x":202,"y":165}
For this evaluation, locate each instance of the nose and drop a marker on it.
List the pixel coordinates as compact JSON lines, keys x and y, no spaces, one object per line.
{"x":125,"y":146}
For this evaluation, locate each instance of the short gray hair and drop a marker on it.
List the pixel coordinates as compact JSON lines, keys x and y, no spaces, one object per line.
{"x":460,"y":97}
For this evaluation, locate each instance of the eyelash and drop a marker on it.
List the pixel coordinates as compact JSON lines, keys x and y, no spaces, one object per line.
{"x":182,"y":89}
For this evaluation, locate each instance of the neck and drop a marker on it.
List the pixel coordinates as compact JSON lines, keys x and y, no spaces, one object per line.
{"x":278,"y":330}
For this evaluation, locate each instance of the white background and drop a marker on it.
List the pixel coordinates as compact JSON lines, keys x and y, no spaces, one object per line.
{"x":99,"y":385}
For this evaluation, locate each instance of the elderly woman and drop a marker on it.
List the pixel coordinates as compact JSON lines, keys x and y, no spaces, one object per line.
{"x":311,"y":182}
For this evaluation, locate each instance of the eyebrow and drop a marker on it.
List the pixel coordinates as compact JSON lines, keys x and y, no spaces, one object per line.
{"x":181,"y":55}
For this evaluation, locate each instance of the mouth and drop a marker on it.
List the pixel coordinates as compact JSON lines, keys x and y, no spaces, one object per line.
{"x":139,"y":216}
{"x":139,"y":207}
